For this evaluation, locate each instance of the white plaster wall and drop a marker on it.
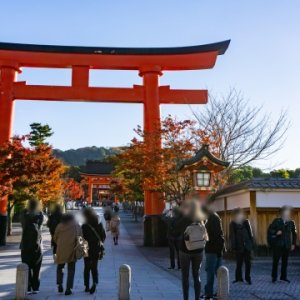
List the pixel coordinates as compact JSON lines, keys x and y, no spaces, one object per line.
{"x":241,"y":200}
{"x":218,"y":205}
{"x":278,"y":198}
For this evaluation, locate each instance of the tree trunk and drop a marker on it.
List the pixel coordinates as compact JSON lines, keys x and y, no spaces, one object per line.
{"x":9,"y":219}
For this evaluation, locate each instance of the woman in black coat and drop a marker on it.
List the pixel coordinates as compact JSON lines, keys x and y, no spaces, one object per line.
{"x":94,"y":233}
{"x":242,"y":242}
{"x":31,"y":251}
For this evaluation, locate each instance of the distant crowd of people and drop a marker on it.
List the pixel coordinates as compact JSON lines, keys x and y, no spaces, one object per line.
{"x":69,"y":242}
{"x":193,"y":230}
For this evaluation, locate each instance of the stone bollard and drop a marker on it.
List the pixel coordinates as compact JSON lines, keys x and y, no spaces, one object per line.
{"x":21,"y":282}
{"x":223,"y":283}
{"x":124,"y":282}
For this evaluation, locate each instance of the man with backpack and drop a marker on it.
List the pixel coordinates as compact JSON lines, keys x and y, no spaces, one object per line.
{"x":214,"y":249}
{"x":241,"y":239}
{"x":282,"y":237}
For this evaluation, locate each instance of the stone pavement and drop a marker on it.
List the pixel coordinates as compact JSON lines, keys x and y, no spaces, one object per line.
{"x":148,"y":280}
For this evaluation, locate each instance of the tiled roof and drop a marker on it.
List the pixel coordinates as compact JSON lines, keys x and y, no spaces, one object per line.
{"x":261,"y":184}
{"x":203,"y":152}
{"x":97,"y":167}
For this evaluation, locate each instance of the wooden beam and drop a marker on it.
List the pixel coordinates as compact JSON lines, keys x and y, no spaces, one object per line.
{"x":253,"y":214}
{"x":80,"y":92}
{"x":167,"y":62}
{"x":170,"y":96}
{"x":22,"y":91}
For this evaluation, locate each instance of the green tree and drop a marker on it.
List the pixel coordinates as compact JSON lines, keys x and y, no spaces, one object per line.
{"x":280,"y":173}
{"x":39,"y":133}
{"x":241,"y":174}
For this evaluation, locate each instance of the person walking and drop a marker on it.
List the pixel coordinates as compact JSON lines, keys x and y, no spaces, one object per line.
{"x":107,"y":217}
{"x":53,"y":220}
{"x":241,"y":239}
{"x":193,"y":235}
{"x":282,"y":237}
{"x":114,"y":227}
{"x":94,"y":233}
{"x":214,"y":249}
{"x":170,"y":218}
{"x":65,"y":237}
{"x":31,"y":250}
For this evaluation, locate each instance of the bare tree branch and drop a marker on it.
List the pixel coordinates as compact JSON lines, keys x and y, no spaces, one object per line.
{"x":246,"y":134}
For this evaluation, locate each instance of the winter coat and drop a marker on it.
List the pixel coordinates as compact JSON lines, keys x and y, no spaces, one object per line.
{"x":289,"y":233}
{"x":241,"y":236}
{"x":216,"y":241}
{"x":172,"y":232}
{"x":90,"y":236}
{"x":114,"y":226}
{"x":65,"y":237}
{"x":52,"y":223}
{"x":31,"y":252}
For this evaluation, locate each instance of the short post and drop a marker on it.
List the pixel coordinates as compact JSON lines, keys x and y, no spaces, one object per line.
{"x":21,"y":282}
{"x":124,"y":282}
{"x":223,"y":283}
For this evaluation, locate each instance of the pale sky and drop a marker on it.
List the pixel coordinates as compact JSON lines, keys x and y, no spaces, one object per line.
{"x":262,"y":60}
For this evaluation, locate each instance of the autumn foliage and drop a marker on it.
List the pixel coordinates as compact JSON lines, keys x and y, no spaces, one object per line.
{"x":143,"y":166}
{"x":72,"y":189}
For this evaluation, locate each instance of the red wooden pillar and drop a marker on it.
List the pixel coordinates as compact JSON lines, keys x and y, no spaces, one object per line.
{"x":90,"y":191}
{"x":7,"y":78}
{"x":152,"y":200}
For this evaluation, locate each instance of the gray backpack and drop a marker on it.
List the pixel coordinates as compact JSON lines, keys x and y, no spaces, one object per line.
{"x":195,"y":236}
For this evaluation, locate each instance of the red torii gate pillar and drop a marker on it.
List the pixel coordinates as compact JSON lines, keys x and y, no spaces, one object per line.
{"x":153,"y":204}
{"x":7,"y":78}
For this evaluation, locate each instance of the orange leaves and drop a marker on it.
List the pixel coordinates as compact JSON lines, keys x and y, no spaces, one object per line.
{"x":72,"y":189}
{"x":29,"y":171}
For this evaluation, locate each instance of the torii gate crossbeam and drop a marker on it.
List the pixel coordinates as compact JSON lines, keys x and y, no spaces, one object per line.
{"x":149,"y":62}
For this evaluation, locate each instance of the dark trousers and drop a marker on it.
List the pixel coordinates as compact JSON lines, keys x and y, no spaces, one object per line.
{"x":174,"y":251}
{"x":212,"y":264}
{"x":71,"y":274}
{"x":243,"y":257}
{"x":34,"y":262}
{"x":186,"y":260}
{"x":90,"y":266}
{"x":283,"y":254}
{"x":34,"y":276}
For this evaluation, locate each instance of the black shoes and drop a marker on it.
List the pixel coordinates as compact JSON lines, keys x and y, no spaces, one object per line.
{"x":285,"y":280}
{"x":249,"y":281}
{"x":87,"y":289}
{"x":93,"y":289}
{"x":68,"y":292}
{"x":60,"y":288}
{"x":274,"y":280}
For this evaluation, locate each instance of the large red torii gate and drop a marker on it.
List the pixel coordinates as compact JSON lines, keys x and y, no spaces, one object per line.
{"x":149,"y":62}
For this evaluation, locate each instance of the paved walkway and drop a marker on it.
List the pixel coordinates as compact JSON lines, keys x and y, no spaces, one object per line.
{"x":148,"y":280}
{"x":150,"y":277}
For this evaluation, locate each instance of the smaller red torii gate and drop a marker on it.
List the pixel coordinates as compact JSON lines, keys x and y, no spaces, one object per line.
{"x":149,"y":62}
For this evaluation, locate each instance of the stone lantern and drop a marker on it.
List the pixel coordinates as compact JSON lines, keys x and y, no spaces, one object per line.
{"x":202,"y":167}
